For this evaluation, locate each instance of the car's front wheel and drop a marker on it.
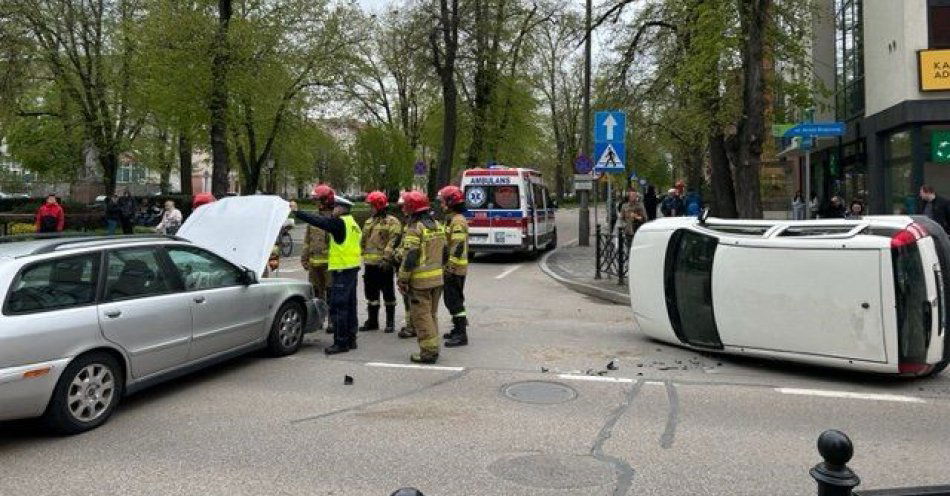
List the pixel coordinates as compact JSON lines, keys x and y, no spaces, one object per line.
{"x":86,"y":395}
{"x":286,"y":332}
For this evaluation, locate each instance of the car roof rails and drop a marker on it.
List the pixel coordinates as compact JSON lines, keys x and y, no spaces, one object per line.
{"x":14,"y":238}
{"x":101,"y":240}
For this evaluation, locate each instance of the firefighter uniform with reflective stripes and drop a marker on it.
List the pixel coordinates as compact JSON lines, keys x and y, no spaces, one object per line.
{"x":421,"y":276}
{"x":455,"y":272}
{"x":315,"y":258}
{"x":379,"y":231}
{"x":395,"y":255}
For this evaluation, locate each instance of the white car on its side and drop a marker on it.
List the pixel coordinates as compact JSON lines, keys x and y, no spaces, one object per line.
{"x":864,"y":294}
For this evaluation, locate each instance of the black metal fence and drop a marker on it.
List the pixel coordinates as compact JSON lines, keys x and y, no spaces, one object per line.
{"x":612,"y":256}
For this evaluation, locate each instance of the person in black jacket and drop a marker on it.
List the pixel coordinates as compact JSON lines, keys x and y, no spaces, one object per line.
{"x":113,"y":213}
{"x":937,"y":208}
{"x":128,"y":209}
{"x":651,"y":202}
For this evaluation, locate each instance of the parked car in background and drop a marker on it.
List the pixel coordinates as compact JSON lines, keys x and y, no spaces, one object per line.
{"x":866,"y":294}
{"x":88,"y":320}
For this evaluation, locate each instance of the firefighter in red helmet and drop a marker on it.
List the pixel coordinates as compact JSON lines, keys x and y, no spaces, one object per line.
{"x":379,"y":232}
{"x":420,"y":275}
{"x":453,"y":204}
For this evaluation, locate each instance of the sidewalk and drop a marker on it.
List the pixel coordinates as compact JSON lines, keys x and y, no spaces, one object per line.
{"x":573,"y":266}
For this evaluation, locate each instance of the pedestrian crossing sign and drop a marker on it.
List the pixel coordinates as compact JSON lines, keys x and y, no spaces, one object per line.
{"x":610,"y":158}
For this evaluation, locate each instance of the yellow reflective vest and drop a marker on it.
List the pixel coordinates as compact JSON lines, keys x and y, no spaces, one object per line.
{"x":346,"y":255}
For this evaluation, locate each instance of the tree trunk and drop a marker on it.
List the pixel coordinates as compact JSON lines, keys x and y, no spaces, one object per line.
{"x":219,"y":103}
{"x":754,"y":17}
{"x":723,"y":191}
{"x":184,"y":164}
{"x":110,"y":168}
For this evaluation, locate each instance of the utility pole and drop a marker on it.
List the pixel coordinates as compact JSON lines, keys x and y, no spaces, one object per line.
{"x":583,"y":224}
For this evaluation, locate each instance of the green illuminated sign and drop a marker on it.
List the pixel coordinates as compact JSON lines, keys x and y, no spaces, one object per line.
{"x":940,"y":147}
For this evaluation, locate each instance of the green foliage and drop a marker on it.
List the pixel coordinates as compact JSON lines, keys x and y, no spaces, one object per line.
{"x":382,"y":159}
{"x":46,"y":145}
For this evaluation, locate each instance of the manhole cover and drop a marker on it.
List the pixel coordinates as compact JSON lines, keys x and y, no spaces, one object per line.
{"x":539,"y":392}
{"x":554,"y":471}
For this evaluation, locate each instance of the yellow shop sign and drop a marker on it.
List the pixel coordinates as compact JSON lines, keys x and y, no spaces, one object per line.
{"x":934,"y":70}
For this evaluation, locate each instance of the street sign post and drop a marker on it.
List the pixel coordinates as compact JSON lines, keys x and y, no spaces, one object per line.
{"x":583,"y":164}
{"x":808,"y":131}
{"x":610,"y":152}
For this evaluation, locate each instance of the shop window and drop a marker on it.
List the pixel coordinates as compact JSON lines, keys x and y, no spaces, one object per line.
{"x":938,"y":19}
{"x":936,"y":143}
{"x":900,"y":164}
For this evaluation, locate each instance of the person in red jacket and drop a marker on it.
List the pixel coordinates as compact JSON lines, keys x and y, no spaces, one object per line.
{"x":50,"y":217}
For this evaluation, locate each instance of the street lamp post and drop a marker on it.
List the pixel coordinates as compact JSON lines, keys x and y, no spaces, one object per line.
{"x":583,"y":224}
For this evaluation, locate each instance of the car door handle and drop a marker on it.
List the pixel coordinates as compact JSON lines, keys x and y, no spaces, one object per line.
{"x":113,"y":314}
{"x":199,"y":299}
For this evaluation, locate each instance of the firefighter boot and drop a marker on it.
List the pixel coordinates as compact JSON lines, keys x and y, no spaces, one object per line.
{"x":454,"y":330}
{"x":429,"y":358}
{"x":458,"y":337}
{"x":372,"y":319}
{"x":390,"y":318}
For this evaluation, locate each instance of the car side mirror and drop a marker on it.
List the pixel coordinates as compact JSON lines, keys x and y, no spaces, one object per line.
{"x":248,"y":277}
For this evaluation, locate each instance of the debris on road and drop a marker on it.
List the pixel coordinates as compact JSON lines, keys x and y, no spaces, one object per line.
{"x":347,"y":380}
{"x":613,"y":364}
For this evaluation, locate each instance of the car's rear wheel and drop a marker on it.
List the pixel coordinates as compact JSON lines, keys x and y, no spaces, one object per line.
{"x":86,"y":395}
{"x":286,"y":333}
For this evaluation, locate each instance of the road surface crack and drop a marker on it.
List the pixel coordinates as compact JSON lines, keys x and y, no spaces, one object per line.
{"x":623,"y":469}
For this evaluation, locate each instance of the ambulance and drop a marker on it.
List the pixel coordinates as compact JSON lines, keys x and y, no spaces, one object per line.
{"x":509,"y":210}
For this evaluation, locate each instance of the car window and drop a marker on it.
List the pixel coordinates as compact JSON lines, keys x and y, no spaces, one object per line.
{"x":202,"y":270}
{"x":492,"y":197}
{"x":55,"y":285}
{"x":135,"y":273}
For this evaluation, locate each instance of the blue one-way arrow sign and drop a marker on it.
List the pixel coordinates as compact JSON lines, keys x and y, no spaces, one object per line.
{"x":610,"y":127}
{"x":817,"y":130}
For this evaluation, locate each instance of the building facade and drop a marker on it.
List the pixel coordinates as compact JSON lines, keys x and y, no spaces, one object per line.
{"x":891,"y":85}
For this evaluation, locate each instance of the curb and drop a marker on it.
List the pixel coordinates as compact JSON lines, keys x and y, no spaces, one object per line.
{"x":609,"y":296}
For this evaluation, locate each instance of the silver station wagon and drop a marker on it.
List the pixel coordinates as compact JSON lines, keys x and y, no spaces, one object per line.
{"x":87,"y":320}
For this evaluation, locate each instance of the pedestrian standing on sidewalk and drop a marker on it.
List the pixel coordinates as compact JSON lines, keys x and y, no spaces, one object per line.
{"x":855,"y":210}
{"x":420,"y":275}
{"x":50,"y":217}
{"x":113,"y":214}
{"x":378,"y":232}
{"x":344,"y":264}
{"x":128,"y":210}
{"x":453,"y":204}
{"x":934,"y":206}
{"x":798,"y":206}
{"x":171,"y":220}
{"x":650,"y":202}
{"x":632,"y":215}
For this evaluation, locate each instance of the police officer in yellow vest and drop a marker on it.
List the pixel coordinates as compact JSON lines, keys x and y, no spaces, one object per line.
{"x":420,"y":275}
{"x":378,"y":233}
{"x":344,"y":264}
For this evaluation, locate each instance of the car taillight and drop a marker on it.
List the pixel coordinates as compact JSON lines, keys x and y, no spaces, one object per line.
{"x":908,"y":236}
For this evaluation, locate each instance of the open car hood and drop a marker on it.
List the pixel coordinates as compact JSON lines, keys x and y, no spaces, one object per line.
{"x":242,"y":229}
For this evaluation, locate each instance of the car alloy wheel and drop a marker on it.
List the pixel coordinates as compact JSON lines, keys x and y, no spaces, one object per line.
{"x":90,"y":393}
{"x":290,"y":327}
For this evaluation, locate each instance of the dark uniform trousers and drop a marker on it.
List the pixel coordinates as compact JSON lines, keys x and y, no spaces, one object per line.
{"x":454,"y":294}
{"x":376,"y":280}
{"x":343,"y":306}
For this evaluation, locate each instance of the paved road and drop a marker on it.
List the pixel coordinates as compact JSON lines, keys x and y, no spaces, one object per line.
{"x":669,"y":422}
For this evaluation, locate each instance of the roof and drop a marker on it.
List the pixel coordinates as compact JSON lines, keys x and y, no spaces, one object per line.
{"x":14,"y":249}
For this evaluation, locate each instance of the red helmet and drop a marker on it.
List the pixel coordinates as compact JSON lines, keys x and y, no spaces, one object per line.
{"x":451,"y":195}
{"x":414,"y":201}
{"x":377,"y":199}
{"x":323,"y":194}
{"x":201,"y":199}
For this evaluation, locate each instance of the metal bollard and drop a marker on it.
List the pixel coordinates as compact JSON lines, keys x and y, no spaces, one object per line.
{"x":597,"y":252}
{"x":833,"y":476}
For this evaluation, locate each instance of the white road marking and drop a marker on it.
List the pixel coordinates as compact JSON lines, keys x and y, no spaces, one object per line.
{"x":595,"y":378}
{"x":850,"y":395}
{"x":507,"y":272}
{"x":413,"y":366}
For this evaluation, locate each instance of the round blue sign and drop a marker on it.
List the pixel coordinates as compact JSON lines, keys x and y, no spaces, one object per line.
{"x":420,"y":168}
{"x":583,"y":164}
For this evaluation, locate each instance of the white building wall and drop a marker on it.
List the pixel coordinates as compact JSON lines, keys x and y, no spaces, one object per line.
{"x":893,"y":32}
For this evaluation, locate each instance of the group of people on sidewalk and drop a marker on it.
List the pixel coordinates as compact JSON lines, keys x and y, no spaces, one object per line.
{"x":119,"y":212}
{"x":929,"y":204}
{"x":427,"y":260}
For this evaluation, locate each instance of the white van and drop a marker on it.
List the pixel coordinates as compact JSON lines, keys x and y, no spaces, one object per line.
{"x":508,"y":210}
{"x":864,"y":294}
